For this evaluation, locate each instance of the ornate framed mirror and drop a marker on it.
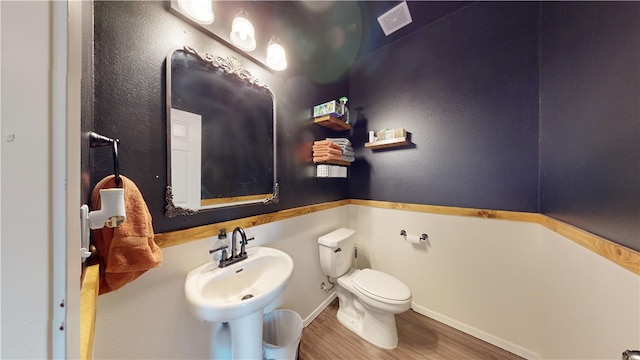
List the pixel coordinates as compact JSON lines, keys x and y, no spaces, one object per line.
{"x":221,"y":135}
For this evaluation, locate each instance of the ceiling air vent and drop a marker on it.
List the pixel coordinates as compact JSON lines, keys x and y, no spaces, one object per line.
{"x":395,"y":18}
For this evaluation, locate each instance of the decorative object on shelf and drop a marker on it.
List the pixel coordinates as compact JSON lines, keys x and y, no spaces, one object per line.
{"x":329,"y":108}
{"x":387,"y":138}
{"x":331,"y":171}
{"x":336,"y":109}
{"x":343,"y":110}
{"x":388,"y":134}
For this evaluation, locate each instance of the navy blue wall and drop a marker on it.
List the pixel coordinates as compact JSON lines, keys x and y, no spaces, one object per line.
{"x":466,"y":87}
{"x":131,"y":42}
{"x":590,"y":117}
{"x":514,"y":106}
{"x":511,"y":105}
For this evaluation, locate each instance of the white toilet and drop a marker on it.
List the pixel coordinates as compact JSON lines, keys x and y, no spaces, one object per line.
{"x":369,"y":299}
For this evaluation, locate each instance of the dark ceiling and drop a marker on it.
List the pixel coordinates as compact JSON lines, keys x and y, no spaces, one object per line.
{"x":350,"y":27}
{"x":349,"y":15}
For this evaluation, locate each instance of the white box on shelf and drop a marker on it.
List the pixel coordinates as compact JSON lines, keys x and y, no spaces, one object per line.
{"x":322,"y":171}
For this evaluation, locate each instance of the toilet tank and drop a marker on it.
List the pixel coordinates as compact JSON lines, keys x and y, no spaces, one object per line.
{"x":336,"y":251}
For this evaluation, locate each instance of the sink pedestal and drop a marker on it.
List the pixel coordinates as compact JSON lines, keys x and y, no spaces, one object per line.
{"x":233,"y":299}
{"x":238,"y":339}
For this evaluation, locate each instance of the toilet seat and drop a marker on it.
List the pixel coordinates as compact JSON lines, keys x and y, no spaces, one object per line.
{"x":381,"y":286}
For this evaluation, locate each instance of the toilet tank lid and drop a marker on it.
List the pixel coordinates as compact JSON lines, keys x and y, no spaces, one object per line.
{"x":331,"y":239}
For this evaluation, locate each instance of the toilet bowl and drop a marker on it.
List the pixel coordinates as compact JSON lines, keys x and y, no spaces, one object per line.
{"x":368,"y":299}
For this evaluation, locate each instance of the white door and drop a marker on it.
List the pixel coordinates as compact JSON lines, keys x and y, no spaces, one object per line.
{"x":186,"y":152}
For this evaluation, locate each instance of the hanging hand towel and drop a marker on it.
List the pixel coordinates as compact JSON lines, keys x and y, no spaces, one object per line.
{"x":127,"y":251}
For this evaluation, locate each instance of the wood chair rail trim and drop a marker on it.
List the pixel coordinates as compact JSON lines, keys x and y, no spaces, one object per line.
{"x":88,"y":308}
{"x":621,"y":255}
{"x":618,"y":254}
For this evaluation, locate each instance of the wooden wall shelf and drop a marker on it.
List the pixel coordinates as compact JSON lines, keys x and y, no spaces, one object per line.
{"x":383,"y":144}
{"x":335,"y":162}
{"x":332,"y":123}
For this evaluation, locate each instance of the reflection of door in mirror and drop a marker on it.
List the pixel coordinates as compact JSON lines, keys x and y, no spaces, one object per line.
{"x":186,"y":140}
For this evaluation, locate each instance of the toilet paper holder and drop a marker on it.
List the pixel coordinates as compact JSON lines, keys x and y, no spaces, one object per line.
{"x":423,"y":237}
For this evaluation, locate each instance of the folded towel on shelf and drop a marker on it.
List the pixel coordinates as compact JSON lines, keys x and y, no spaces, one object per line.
{"x":127,"y":251}
{"x":325,"y":158}
{"x":329,"y":157}
{"x":343,"y":143}
{"x":326,"y":150}
{"x":340,"y":141}
{"x":348,"y":153}
{"x":326,"y":143}
{"x":333,"y":149}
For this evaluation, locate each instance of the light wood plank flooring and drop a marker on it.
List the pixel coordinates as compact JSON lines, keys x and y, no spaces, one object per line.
{"x":420,"y":337}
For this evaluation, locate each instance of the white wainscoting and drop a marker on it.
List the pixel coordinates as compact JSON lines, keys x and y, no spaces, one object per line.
{"x":149,"y":319}
{"x":515,"y":284}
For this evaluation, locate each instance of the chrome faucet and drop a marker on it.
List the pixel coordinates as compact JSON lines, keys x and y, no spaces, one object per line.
{"x":234,"y":257}
{"x":234,"y":244}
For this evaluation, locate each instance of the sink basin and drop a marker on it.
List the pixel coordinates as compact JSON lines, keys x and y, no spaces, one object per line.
{"x":238,"y":290}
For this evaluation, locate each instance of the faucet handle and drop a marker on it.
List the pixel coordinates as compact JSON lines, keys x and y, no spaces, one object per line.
{"x":223,"y":248}
{"x":223,"y":257}
{"x":243,"y":243}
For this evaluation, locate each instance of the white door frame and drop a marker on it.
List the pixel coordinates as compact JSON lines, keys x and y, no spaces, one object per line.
{"x":66,"y":173}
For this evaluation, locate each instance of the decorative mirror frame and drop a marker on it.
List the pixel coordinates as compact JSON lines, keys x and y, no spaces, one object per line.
{"x":231,"y":66}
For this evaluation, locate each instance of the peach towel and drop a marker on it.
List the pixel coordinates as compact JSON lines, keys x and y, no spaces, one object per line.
{"x":327,"y":157}
{"x":321,"y":143}
{"x":326,"y":151}
{"x":127,"y":251}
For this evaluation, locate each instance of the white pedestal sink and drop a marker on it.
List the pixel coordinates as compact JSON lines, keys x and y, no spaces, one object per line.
{"x":234,"y":297}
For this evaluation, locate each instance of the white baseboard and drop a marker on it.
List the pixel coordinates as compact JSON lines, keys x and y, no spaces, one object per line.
{"x":491,"y":339}
{"x":318,"y":310}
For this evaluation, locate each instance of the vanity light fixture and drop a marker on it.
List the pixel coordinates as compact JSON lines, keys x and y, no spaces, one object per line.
{"x":242,"y":33}
{"x":276,"y":56}
{"x":198,"y":10}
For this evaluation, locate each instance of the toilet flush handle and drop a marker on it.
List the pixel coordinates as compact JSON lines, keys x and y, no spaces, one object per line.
{"x":337,"y":250}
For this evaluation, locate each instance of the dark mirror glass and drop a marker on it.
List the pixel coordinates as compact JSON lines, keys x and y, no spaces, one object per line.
{"x":221,"y":132}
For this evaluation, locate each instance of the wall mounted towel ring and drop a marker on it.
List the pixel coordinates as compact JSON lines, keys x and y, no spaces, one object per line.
{"x":97,"y":140}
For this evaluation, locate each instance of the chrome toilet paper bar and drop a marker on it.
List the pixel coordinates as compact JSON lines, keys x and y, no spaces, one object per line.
{"x":423,"y":237}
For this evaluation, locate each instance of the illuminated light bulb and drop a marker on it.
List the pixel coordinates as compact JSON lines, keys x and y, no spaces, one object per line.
{"x":276,"y":56}
{"x":242,"y":33}
{"x":198,"y":10}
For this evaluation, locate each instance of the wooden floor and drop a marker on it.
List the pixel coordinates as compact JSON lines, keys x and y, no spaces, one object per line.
{"x":419,"y":338}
